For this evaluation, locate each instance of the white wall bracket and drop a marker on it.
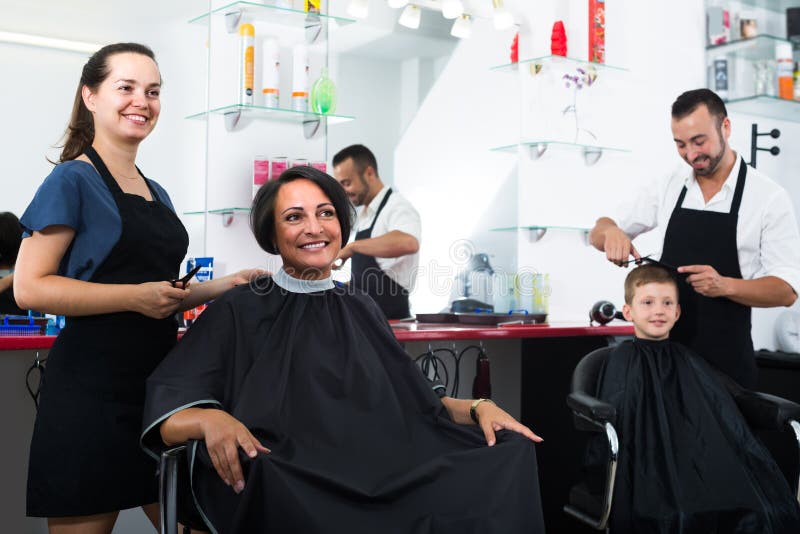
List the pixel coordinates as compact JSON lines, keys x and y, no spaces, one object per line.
{"x":311,"y":125}
{"x":536,"y":234}
{"x":227,"y":218}
{"x":232,"y":119}
{"x":232,"y":20}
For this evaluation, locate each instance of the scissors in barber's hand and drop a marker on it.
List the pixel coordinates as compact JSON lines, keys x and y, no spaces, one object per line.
{"x":650,"y":259}
{"x":185,"y":280}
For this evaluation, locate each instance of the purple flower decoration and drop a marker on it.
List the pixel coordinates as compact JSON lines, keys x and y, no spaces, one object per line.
{"x":583,"y":77}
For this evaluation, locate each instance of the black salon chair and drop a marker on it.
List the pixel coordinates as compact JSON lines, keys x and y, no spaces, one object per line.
{"x":762,"y":411}
{"x":175,"y":499}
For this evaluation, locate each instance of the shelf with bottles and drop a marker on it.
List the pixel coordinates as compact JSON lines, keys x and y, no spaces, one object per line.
{"x":771,"y":5}
{"x":236,"y":12}
{"x":766,"y":106}
{"x":760,"y":47}
{"x":537,"y":232}
{"x":537,"y":64}
{"x":537,"y":149}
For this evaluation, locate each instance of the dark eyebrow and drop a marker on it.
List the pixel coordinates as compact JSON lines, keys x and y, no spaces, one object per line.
{"x":134,"y":82}
{"x":301,"y":208}
{"x":695,"y":138}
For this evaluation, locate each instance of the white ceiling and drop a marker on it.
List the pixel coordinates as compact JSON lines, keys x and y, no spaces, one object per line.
{"x":115,"y":20}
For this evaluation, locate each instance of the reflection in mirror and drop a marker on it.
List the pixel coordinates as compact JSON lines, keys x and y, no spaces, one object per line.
{"x":383,"y":72}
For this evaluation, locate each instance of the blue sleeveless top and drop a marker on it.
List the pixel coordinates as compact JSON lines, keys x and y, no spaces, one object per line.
{"x":75,"y":195}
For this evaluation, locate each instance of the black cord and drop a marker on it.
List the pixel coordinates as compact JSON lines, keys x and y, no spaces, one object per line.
{"x":37,"y":365}
{"x":429,"y":361}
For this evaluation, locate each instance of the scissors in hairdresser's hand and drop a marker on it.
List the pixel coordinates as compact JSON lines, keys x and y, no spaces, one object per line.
{"x":185,"y":280}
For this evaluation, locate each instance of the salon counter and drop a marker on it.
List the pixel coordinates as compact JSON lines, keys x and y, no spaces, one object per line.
{"x":415,"y":331}
{"x":26,"y":342}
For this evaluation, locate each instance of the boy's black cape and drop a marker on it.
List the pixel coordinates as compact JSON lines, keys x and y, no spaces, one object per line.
{"x":688,"y":461}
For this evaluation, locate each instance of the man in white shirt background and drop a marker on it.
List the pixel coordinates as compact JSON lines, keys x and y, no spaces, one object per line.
{"x":385,"y":252}
{"x":730,"y":231}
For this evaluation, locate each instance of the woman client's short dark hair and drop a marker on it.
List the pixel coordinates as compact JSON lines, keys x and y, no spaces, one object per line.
{"x":262,"y":214}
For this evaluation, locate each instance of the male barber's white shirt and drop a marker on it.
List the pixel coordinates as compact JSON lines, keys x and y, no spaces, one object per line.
{"x":397,"y":214}
{"x":767,"y":235}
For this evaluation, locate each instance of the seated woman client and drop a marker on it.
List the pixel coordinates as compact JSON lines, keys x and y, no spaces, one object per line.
{"x":311,"y":417}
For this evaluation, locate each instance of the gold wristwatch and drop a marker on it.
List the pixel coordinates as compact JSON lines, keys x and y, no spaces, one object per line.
{"x":474,"y":405}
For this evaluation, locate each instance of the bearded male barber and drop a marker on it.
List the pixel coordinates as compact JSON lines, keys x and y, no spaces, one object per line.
{"x":385,"y":250}
{"x":729,"y":229}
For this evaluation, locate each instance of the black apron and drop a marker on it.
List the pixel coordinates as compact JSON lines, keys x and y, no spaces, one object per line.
{"x":85,"y":455}
{"x":391,"y":297}
{"x":718,"y":329}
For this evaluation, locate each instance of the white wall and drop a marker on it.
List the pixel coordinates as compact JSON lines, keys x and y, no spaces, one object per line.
{"x":442,"y":160}
{"x":444,"y":152}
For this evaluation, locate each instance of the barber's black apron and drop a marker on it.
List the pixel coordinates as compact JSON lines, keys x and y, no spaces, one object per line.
{"x":391,"y":297}
{"x":718,"y":329}
{"x":85,"y":456}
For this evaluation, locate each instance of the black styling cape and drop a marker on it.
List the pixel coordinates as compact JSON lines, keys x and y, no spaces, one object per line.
{"x":360,"y":443}
{"x":688,"y":462}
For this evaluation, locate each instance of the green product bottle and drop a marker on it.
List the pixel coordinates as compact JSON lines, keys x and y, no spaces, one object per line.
{"x":323,"y":94}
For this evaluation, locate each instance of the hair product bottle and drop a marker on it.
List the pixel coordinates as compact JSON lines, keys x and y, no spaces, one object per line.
{"x":247,"y":34}
{"x":300,"y":78}
{"x":720,"y":84}
{"x":271,"y":73}
{"x":323,"y":94}
{"x":783,"y":53}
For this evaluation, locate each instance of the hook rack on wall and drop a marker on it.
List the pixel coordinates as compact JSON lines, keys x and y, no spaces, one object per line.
{"x":754,"y":148}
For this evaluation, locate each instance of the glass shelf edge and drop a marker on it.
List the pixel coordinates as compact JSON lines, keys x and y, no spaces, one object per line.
{"x":567,"y":144}
{"x":265,"y":8}
{"x":539,"y":227}
{"x":556,"y":59}
{"x":218,"y":211}
{"x":770,"y":5}
{"x":266,"y":111}
{"x":766,"y":106}
{"x":746,"y":43}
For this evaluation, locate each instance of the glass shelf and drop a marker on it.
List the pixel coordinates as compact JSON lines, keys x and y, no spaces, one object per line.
{"x":226,"y":213}
{"x":517,"y":228}
{"x":219,"y":211}
{"x":754,"y":48}
{"x":766,"y":106}
{"x":254,"y":11}
{"x":536,"y":233}
{"x":276,"y":114}
{"x":771,"y":5}
{"x":537,"y":149}
{"x":565,"y":144}
{"x":537,"y":63}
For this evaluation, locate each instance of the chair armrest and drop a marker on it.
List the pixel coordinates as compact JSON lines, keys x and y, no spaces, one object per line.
{"x":591,"y":407}
{"x":767,"y":411}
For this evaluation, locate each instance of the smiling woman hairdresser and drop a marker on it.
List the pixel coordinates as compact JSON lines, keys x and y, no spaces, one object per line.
{"x":103,"y":243}
{"x":313,"y":418}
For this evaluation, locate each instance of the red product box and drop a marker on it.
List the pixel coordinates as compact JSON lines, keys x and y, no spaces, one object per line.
{"x":597,"y":31}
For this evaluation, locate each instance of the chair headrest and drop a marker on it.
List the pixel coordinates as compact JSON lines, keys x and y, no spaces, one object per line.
{"x":586,"y":373}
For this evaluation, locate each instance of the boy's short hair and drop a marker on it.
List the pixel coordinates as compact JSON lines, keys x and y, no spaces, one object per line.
{"x":647,"y":274}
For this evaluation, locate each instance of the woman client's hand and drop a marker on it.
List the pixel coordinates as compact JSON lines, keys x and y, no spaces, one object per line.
{"x":223,"y":435}
{"x":492,"y":418}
